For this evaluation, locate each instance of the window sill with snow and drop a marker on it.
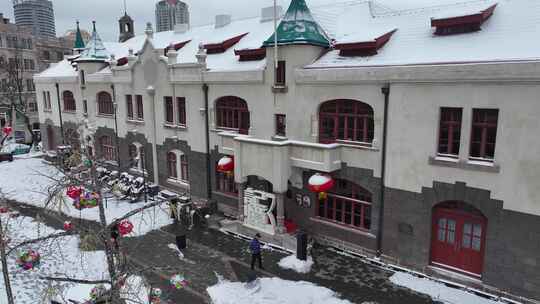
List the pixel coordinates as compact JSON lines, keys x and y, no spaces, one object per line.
{"x":470,"y":164}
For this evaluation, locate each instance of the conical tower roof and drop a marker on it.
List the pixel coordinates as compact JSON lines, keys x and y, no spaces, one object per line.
{"x":299,"y":27}
{"x":95,"y":50}
{"x":79,"y":41}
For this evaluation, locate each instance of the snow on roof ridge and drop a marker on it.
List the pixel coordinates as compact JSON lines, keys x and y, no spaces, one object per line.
{"x":424,"y":9}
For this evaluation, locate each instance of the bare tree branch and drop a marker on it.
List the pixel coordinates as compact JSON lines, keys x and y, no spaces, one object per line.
{"x":48,"y":237}
{"x":78,"y":281}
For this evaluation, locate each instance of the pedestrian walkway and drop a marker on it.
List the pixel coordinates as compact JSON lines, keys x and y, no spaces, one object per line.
{"x":210,"y":253}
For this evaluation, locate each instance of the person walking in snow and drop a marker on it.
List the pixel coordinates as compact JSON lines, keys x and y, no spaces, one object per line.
{"x":255,"y":249}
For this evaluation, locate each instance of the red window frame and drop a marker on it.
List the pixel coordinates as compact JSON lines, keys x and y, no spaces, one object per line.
{"x":181,"y":110}
{"x":171,"y":165}
{"x":108,"y":149}
{"x":281,"y":125}
{"x":280,"y":73}
{"x":184,"y":169}
{"x":484,"y":134}
{"x":140,"y":107}
{"x":348,"y":205}
{"x":232,"y":113}
{"x":225,"y":183}
{"x":105,"y":104}
{"x":129,"y":106}
{"x":169,"y":109}
{"x":346,"y":120}
{"x":450,"y":131}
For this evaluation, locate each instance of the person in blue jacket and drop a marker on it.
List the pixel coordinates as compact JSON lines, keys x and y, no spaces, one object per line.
{"x":255,"y":249}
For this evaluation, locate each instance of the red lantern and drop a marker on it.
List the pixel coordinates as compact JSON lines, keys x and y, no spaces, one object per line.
{"x":74,"y":192}
{"x":225,"y":164}
{"x":125,"y":227}
{"x":320,"y":183}
{"x":68,"y":225}
{"x":7,"y":130}
{"x":4,"y":210}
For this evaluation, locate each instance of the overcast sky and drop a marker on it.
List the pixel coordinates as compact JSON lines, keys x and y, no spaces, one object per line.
{"x":107,"y":12}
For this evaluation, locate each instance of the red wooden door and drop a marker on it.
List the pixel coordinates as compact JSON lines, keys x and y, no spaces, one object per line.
{"x":458,"y":241}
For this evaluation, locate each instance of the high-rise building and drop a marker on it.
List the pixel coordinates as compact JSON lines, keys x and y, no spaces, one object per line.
{"x":169,"y":13}
{"x":38,"y":15}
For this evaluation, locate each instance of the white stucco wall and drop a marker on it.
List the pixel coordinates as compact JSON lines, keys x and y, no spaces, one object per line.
{"x":413,"y":132}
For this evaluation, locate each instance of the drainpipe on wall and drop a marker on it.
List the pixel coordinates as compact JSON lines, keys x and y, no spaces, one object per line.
{"x":386,"y":92}
{"x":115,"y":105}
{"x":207,"y":133}
{"x":152,"y":92}
{"x":60,"y":113}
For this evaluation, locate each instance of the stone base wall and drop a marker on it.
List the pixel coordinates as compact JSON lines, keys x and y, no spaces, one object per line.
{"x":512,"y":259}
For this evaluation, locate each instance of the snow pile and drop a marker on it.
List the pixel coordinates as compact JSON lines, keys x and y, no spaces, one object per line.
{"x":60,"y":257}
{"x":272,"y":291}
{"x":27,"y":181}
{"x":291,"y":262}
{"x":436,"y":290}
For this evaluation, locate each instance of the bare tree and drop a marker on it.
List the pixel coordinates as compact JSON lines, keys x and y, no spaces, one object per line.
{"x":81,"y":172}
{"x":16,"y":69}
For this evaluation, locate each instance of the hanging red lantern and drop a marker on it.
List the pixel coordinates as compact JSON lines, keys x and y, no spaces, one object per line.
{"x":4,"y":210}
{"x":320,"y":183}
{"x":68,"y":225}
{"x":7,"y":130}
{"x":225,"y":164}
{"x":74,"y":192}
{"x":125,"y":227}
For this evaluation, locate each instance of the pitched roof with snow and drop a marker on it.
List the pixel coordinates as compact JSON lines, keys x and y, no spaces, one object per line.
{"x":95,"y":50}
{"x":505,"y":35}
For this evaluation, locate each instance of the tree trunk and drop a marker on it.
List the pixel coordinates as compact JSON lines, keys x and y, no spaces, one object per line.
{"x":5,"y":269}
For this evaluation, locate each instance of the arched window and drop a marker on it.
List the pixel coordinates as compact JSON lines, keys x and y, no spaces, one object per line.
{"x":69,"y":101}
{"x":108,"y":150}
{"x":232,"y":114}
{"x":347,"y":204}
{"x":105,"y":105}
{"x":177,"y":165}
{"x":136,"y":155}
{"x":346,"y":120}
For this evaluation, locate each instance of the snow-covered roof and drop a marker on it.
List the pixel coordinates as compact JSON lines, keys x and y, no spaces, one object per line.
{"x":59,"y":69}
{"x":507,"y":35}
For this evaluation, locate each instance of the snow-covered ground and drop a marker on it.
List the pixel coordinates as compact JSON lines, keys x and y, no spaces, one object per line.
{"x":27,"y":180}
{"x":60,"y":257}
{"x":437,"y":291}
{"x":272,"y":291}
{"x":291,"y":262}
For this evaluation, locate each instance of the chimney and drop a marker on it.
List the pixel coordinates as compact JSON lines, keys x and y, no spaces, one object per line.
{"x":201,"y":55}
{"x":181,"y":28}
{"x":172,"y":54}
{"x":267,"y":13}
{"x":222,"y":20}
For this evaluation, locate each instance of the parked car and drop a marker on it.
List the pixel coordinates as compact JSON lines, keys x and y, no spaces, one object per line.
{"x":4,"y":156}
{"x":16,"y":149}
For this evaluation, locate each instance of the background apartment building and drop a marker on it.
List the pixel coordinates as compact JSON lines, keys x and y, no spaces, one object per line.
{"x":27,"y":54}
{"x":38,"y":15}
{"x":169,"y":13}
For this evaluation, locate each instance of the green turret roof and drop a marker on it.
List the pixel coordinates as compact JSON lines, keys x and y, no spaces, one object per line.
{"x":299,"y":27}
{"x":95,"y":50}
{"x":79,"y":42}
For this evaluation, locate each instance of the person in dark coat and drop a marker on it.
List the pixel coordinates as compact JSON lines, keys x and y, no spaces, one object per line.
{"x":255,"y":249}
{"x":114,"y":235}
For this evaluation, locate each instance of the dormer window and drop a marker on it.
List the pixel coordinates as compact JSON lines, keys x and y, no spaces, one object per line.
{"x":222,"y":47}
{"x":251,"y":54}
{"x":363,"y":48}
{"x":462,"y":24}
{"x":176,"y":46}
{"x":122,"y":61}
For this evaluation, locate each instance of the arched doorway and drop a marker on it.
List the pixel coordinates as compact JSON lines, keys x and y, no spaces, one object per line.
{"x":458,"y":238}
